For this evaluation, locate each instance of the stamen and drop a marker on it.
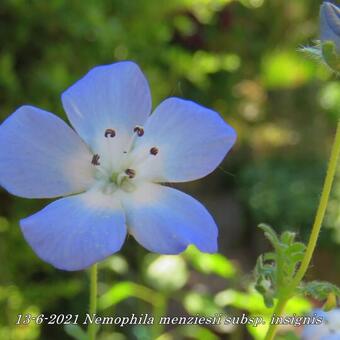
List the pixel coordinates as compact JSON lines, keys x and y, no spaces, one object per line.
{"x":140,"y":156}
{"x":95,"y":159}
{"x":139,"y":130}
{"x":131,"y":173}
{"x":110,"y":133}
{"x":154,"y":151}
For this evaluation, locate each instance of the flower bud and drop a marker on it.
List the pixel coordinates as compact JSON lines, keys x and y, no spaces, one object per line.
{"x":330,"y":35}
{"x":330,"y":24}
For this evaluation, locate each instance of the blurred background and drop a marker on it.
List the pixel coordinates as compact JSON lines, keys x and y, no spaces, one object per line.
{"x":237,"y":57}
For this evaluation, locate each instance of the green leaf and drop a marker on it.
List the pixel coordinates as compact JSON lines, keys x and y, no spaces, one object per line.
{"x":250,"y":301}
{"x":124,"y":290}
{"x":269,"y":256}
{"x":288,"y":237}
{"x":285,"y":68}
{"x":330,"y":55}
{"x":319,"y":290}
{"x":210,"y":263}
{"x":270,"y":234}
{"x":76,"y":332}
{"x":296,"y":247}
{"x":314,"y":52}
{"x":326,"y":53}
{"x":274,"y":271}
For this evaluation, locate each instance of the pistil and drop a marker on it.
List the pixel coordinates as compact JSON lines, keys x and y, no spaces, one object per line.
{"x":125,"y":176}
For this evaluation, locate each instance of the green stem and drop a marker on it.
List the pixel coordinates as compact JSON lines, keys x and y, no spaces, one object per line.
{"x":93,"y":300}
{"x":159,"y":310}
{"x":279,"y":309}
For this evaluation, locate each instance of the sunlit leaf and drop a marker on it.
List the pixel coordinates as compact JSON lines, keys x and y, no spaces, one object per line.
{"x":251,"y":301}
{"x":210,"y":263}
{"x":124,"y":290}
{"x":283,"y":69}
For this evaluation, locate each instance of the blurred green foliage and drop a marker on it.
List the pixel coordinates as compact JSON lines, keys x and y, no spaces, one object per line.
{"x":238,"y":57}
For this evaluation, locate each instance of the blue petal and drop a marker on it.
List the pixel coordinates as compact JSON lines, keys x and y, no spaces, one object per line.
{"x":329,"y":329}
{"x":75,"y":232}
{"x":166,"y":221}
{"x":41,"y":156}
{"x":330,"y":23}
{"x":192,"y":141}
{"x":115,"y":96}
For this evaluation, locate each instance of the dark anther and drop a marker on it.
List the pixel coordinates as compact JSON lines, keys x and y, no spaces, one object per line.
{"x":130,"y":172}
{"x":154,"y":151}
{"x":139,"y":130}
{"x":95,"y":159}
{"x":110,"y":133}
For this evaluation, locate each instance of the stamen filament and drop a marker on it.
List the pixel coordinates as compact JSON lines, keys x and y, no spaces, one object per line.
{"x":141,"y":157}
{"x":138,"y":132}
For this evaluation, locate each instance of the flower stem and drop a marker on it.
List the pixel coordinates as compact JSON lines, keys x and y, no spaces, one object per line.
{"x":314,"y":234}
{"x":93,"y":300}
{"x":159,"y":310}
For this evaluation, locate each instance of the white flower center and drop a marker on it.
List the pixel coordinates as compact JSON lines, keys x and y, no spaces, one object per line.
{"x":109,"y":176}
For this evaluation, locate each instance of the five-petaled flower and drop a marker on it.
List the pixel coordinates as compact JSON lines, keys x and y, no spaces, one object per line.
{"x":112,"y":171}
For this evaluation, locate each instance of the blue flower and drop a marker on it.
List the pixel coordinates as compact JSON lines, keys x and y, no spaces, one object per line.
{"x":329,"y":329}
{"x":327,"y":49}
{"x":330,"y":24}
{"x":112,"y":169}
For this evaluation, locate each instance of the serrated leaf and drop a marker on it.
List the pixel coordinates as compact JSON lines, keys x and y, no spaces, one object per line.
{"x":269,"y":256}
{"x":312,"y":51}
{"x":271,"y":235}
{"x":320,"y":290}
{"x":288,"y":237}
{"x":297,"y":257}
{"x":297,"y":247}
{"x":274,"y":271}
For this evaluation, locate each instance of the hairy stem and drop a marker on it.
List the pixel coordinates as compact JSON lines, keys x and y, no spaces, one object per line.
{"x":93,"y":300}
{"x":331,"y":170}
